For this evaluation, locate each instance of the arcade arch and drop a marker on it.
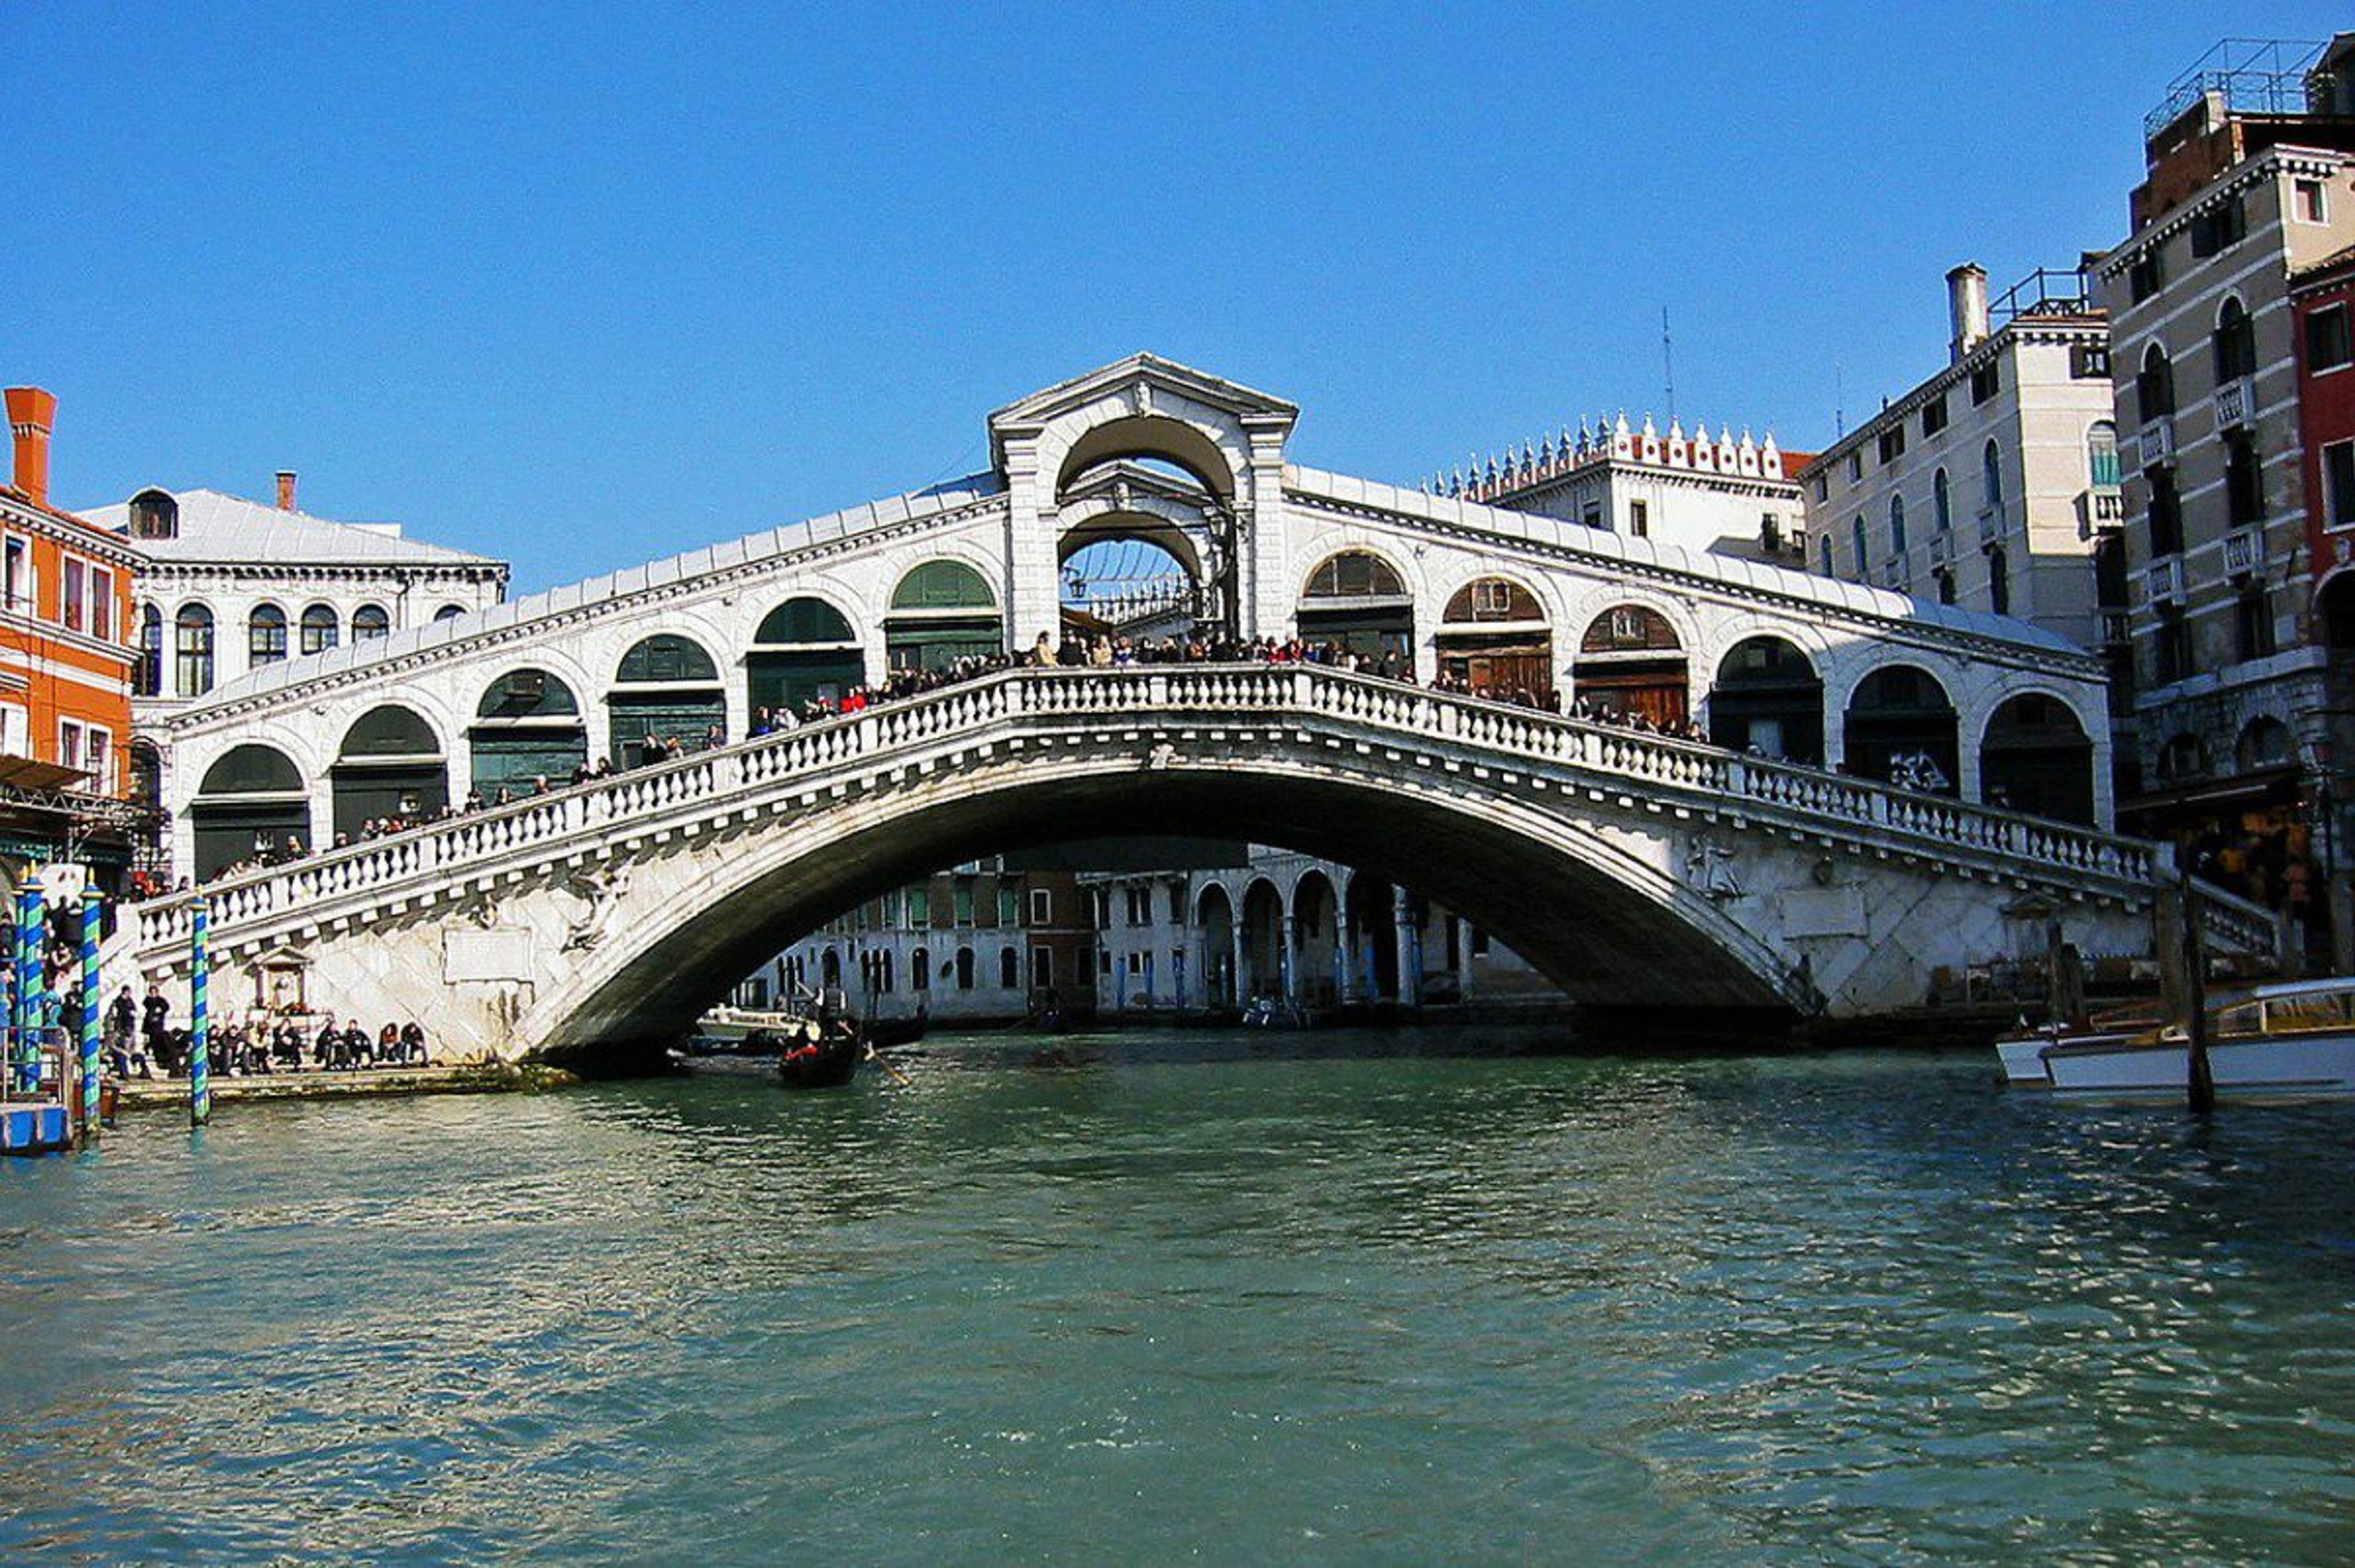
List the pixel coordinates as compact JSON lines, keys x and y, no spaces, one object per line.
{"x":1899,"y":715}
{"x":1494,"y":636}
{"x":2035,"y":757}
{"x":1214,"y":920}
{"x":528,"y":730}
{"x":389,"y":765}
{"x":1768,"y":699}
{"x":1631,"y":662}
{"x":666,"y":687}
{"x":804,"y":651}
{"x":248,"y":803}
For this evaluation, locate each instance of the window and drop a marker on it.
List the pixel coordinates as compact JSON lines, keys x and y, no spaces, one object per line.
{"x":2253,"y":624}
{"x":919,"y":907}
{"x":1639,"y":519}
{"x":17,"y":575}
{"x":101,"y":603}
{"x":1893,"y":443}
{"x":15,"y":733}
{"x":1009,"y":969}
{"x":2154,"y":385}
{"x":1492,"y":599}
{"x":97,"y":757}
{"x":1010,"y":903}
{"x":449,"y":612}
{"x":1897,"y":525}
{"x":964,"y":968}
{"x":2235,"y":342}
{"x":1823,"y":487}
{"x":2327,"y":345}
{"x":1770,"y":533}
{"x":1855,"y":466}
{"x":2089,"y":362}
{"x":147,"y":675}
{"x":1984,"y":381}
{"x":2307,"y":202}
{"x":75,"y":610}
{"x":1933,"y":415}
{"x":1138,"y":913}
{"x":2171,"y":648}
{"x":1855,"y":538}
{"x":1999,"y":567}
{"x":1991,"y":478}
{"x":2166,"y":514}
{"x":1592,"y":515}
{"x":920,"y":970}
{"x":1134,"y":964}
{"x":1824,"y":554}
{"x":371,"y":620}
{"x":320,"y":631}
{"x":70,"y":744}
{"x":1042,"y":907}
{"x":1942,"y":505}
{"x":192,"y":650}
{"x":1177,"y":903}
{"x":2339,"y":484}
{"x":1945,"y":578}
{"x":2102,"y":454}
{"x":265,"y":636}
{"x":2245,"y":484}
{"x":2220,"y":227}
{"x":2145,"y":277}
{"x":962,"y":900}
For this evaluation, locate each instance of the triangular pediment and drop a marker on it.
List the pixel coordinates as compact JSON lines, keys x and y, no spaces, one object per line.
{"x":1140,"y":378}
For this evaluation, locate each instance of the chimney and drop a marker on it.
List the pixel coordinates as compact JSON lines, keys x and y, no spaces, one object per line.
{"x":286,"y":489}
{"x":1966,"y":307}
{"x":32,"y":413}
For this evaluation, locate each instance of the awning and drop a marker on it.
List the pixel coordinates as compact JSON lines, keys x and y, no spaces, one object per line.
{"x":25,"y":773}
{"x":2243,"y":790}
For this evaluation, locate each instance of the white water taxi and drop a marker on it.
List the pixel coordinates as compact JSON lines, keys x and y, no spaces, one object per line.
{"x":2294,"y":1040}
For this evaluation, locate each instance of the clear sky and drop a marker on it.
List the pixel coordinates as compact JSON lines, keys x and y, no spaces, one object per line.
{"x":587,"y":285}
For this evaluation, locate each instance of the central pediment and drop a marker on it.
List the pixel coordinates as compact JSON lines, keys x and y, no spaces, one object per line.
{"x":1147,"y":385}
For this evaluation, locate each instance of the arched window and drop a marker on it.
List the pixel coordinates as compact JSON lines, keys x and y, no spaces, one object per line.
{"x":371,"y":620}
{"x":250,"y":804}
{"x":1897,"y":525}
{"x":1942,"y":502}
{"x":1824,"y":554}
{"x":2035,"y":757}
{"x":1991,"y":478}
{"x":1354,"y":574}
{"x":942,"y":585}
{"x":1493,"y":636}
{"x":2182,"y":757}
{"x":449,"y":612}
{"x":1901,"y":726}
{"x":667,"y":688}
{"x":2153,"y":388}
{"x":2102,"y":454}
{"x":942,"y":612}
{"x":2265,"y":743}
{"x":920,"y":970}
{"x":964,"y":968}
{"x":265,"y":636}
{"x":1999,"y":567}
{"x":1855,"y":538}
{"x":154,"y":515}
{"x":389,"y":768}
{"x":2235,"y":342}
{"x":148,"y":675}
{"x":804,"y":651}
{"x":1768,"y":699}
{"x":1009,"y":970}
{"x":320,"y":629}
{"x":527,"y":729}
{"x":1357,"y":599}
{"x":192,"y":651}
{"x":1631,"y":662}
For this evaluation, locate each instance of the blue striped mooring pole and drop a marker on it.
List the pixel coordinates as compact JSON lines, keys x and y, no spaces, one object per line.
{"x":93,"y":1008}
{"x":32,"y":916}
{"x":200,"y":1030}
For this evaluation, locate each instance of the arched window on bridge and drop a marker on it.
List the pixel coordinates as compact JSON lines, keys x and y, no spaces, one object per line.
{"x":2035,"y":758}
{"x":389,"y":765}
{"x":248,"y":803}
{"x":1768,"y":699}
{"x":668,"y":687}
{"x":526,"y":728}
{"x":1899,"y":718}
{"x":1494,"y":635}
{"x":371,"y":622}
{"x":942,"y":612}
{"x":265,"y":636}
{"x":1630,"y":662}
{"x":1357,"y":599}
{"x":804,"y":651}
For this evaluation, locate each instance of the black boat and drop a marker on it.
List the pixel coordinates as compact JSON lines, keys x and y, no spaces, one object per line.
{"x":827,"y":1059}
{"x":885,"y":1034}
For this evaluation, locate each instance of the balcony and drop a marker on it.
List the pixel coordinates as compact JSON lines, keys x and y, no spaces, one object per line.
{"x":1990,"y":525}
{"x":2162,"y":581}
{"x":2245,"y":553}
{"x":2237,"y":403}
{"x":2115,"y":627}
{"x":2108,"y":506}
{"x":1942,"y":550}
{"x":2156,"y":440}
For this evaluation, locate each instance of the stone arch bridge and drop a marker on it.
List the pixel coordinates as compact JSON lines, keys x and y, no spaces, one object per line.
{"x":1636,"y":869}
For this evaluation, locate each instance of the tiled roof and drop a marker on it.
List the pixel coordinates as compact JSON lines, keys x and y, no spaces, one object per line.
{"x":230,"y":528}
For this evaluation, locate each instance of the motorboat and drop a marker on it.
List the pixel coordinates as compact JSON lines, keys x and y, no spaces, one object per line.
{"x":728,"y":1029}
{"x":2293,"y":1039}
{"x":2022,"y":1054}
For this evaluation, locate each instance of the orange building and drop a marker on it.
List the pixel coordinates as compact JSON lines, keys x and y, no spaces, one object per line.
{"x":65,"y":669}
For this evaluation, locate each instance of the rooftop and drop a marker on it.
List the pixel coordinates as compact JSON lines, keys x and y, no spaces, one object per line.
{"x":2254,"y":76}
{"x":219,"y":529}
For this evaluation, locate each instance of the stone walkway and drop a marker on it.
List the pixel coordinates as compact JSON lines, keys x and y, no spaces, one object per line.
{"x":457,"y":1078}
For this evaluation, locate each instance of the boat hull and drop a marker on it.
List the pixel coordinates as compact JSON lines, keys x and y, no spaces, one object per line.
{"x":2281,"y":1067}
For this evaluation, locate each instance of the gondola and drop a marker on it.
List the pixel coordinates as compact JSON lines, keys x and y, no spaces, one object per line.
{"x":885,"y":1034}
{"x":827,"y":1062}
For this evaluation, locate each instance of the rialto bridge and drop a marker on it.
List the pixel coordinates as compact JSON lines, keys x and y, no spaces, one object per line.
{"x":1769,"y":869}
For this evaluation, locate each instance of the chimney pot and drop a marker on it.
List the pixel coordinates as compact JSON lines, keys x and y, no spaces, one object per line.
{"x":32,"y":415}
{"x":286,"y":489}
{"x":1966,"y":307}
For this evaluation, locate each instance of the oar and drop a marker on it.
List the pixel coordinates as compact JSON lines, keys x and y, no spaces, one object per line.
{"x":884,"y":1061}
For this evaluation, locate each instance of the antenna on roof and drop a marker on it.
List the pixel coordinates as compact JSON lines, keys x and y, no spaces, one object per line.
{"x":1667,"y":364}
{"x":1840,"y":401}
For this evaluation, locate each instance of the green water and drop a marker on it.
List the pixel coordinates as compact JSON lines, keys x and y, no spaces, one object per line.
{"x":1277,"y":1300}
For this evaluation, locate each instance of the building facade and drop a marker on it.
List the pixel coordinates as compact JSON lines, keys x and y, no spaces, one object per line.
{"x":1993,"y":483}
{"x":66,"y":596}
{"x":979,"y":944}
{"x":231,"y":585}
{"x":2243,"y":195}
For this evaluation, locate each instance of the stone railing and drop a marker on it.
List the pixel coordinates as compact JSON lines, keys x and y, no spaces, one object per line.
{"x":404,"y":869}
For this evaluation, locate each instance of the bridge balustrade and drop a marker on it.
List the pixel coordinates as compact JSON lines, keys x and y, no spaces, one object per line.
{"x":1262,"y":691}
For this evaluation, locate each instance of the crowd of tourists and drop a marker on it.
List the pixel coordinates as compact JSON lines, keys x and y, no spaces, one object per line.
{"x":140,"y":1039}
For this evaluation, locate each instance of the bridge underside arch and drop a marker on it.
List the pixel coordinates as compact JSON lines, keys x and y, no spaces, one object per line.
{"x":1607,"y":927}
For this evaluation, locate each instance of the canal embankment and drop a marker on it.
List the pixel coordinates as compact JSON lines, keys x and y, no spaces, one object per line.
{"x":454,"y":1078}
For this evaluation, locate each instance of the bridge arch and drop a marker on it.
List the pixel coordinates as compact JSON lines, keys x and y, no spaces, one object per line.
{"x":390,"y":764}
{"x":1768,"y":697}
{"x":675,"y":946}
{"x":1633,"y":659}
{"x":250,"y":802}
{"x":529,"y":728}
{"x":1902,"y":711}
{"x":1206,"y":444}
{"x":2035,"y":756}
{"x":1495,"y":634}
{"x":1360,"y":597}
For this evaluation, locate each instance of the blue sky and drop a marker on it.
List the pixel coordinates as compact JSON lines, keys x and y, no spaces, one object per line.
{"x":584,"y":285}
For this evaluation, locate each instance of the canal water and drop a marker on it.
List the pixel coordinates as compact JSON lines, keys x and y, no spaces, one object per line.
{"x":1227,"y":1299}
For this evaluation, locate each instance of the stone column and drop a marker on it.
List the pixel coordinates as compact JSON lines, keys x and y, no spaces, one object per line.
{"x":1409,"y":949}
{"x":1265,"y":548}
{"x":1237,"y":938}
{"x":1030,"y":591}
{"x":1288,"y":956}
{"x":1463,"y":958}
